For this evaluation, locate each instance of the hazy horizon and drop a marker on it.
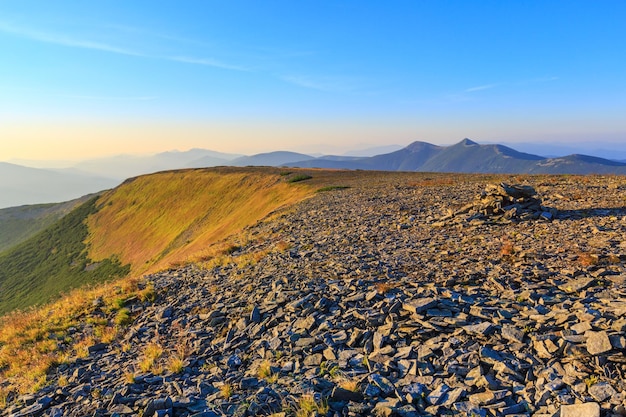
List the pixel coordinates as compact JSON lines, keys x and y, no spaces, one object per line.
{"x":87,"y":80}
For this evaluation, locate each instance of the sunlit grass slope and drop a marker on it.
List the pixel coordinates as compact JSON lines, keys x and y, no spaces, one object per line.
{"x":159,"y":220}
{"x":148,"y":223}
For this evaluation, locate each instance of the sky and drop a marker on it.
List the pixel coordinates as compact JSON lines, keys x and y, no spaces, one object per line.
{"x":84,"y":79}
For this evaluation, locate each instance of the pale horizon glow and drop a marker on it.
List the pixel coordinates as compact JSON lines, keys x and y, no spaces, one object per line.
{"x":89,"y":80}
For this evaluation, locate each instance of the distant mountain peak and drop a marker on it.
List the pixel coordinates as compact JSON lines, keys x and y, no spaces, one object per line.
{"x":418,"y":146}
{"x":467,"y":142}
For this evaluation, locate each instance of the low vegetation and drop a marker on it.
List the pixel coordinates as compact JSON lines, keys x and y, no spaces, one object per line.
{"x":53,"y":262}
{"x":18,"y":224}
{"x":308,"y":405}
{"x":156,"y":221}
{"x":299,"y":177}
{"x":33,"y":342}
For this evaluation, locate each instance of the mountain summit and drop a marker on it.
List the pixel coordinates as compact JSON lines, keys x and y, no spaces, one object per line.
{"x":468,"y":156}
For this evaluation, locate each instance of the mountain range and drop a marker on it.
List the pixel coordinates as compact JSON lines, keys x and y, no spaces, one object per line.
{"x":470,"y":157}
{"x":22,"y":185}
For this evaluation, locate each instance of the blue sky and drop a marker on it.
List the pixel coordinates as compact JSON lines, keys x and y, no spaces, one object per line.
{"x":79,"y":79}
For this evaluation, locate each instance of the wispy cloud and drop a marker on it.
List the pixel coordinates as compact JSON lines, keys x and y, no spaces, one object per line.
{"x":512,"y":83}
{"x":328,"y":84}
{"x":109,"y":98}
{"x":481,"y":88}
{"x":537,"y":80}
{"x":209,"y":62}
{"x":72,"y":42}
{"x":63,"y":40}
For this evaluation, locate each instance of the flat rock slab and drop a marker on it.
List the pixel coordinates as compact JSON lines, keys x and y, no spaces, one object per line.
{"x":419,"y":305}
{"x":581,"y":410}
{"x":598,"y":342}
{"x":576,"y":285}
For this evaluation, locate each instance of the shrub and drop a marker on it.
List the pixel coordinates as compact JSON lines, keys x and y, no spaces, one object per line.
{"x":299,"y":177}
{"x":123,"y":317}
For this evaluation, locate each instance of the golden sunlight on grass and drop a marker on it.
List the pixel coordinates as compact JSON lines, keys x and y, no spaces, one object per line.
{"x":154,"y":221}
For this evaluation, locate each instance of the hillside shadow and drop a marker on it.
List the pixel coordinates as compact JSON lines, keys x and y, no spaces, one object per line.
{"x":598,"y":212}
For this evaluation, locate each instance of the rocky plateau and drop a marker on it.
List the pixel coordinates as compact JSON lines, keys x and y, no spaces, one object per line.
{"x":408,"y":295}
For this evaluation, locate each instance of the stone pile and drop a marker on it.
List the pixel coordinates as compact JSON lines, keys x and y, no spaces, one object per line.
{"x":354,"y":303}
{"x":503,"y":203}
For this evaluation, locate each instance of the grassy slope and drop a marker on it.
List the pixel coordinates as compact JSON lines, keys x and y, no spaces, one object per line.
{"x":148,"y":223}
{"x":155,"y":221}
{"x":18,"y":224}
{"x":52,"y":262}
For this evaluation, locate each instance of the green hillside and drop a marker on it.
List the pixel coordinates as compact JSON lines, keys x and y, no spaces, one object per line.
{"x":52,"y":262}
{"x":17,"y":224}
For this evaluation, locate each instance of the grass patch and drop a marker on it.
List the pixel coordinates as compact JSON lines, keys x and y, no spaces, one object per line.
{"x":299,"y":177}
{"x":308,"y":405}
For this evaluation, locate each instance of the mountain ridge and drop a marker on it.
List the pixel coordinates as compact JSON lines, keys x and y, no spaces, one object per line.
{"x":468,"y":156}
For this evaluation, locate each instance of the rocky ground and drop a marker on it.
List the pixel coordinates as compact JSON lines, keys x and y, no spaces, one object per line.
{"x":363,"y":301}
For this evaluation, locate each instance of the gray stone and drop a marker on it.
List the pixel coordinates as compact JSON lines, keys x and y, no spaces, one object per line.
{"x":581,"y":410}
{"x":419,"y":305}
{"x":576,"y":285}
{"x":481,"y":329}
{"x":255,"y":315}
{"x":512,"y":333}
{"x":313,"y":360}
{"x":598,"y":342}
{"x":438,"y":395}
{"x":383,"y":383}
{"x":601,"y":391}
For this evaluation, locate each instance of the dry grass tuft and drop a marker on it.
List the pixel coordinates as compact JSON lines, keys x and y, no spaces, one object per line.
{"x":350,"y":384}
{"x":507,"y":249}
{"x":586,"y":259}
{"x":175,"y":364}
{"x":129,"y":378}
{"x":226,"y":391}
{"x":384,"y":287}
{"x":307,"y":406}
{"x":265,"y":372}
{"x":282,"y":246}
{"x":613,"y":259}
{"x":151,"y":353}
